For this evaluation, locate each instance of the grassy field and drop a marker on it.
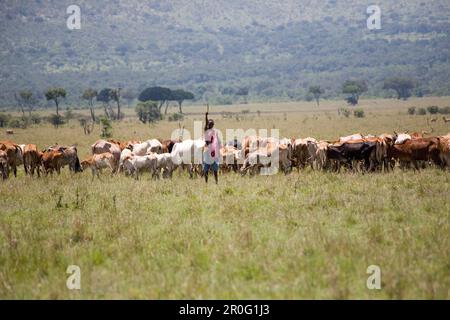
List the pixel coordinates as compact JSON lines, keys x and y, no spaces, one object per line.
{"x":305,"y":235}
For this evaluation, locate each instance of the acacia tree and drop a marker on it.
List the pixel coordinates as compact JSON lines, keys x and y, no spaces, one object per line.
{"x":105,"y":96}
{"x":180,"y":95}
{"x":115,"y":95}
{"x":354,"y":88}
{"x":89,"y":94}
{"x":316,"y":91}
{"x":158,"y":94}
{"x":402,"y":86}
{"x":25,"y":99}
{"x":55,"y":94}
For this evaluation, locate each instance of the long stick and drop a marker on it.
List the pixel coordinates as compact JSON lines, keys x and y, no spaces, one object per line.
{"x":206,"y":116}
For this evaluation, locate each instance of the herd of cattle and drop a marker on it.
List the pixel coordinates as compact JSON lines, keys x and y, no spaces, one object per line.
{"x":354,"y":152}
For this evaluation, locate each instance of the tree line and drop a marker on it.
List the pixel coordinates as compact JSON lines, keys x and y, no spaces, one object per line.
{"x":152,"y":100}
{"x":353,"y":89}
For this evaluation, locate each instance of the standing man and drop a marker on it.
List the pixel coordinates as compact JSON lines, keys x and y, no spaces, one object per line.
{"x":212,"y":154}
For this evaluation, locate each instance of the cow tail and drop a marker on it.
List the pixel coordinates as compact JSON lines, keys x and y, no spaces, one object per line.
{"x":78,"y":165}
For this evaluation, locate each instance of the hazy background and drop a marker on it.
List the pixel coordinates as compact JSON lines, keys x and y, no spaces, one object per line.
{"x":213,"y":48}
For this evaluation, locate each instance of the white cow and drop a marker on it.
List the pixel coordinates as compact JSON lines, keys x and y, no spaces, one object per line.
{"x":355,"y":136}
{"x":152,"y":145}
{"x":123,"y":155}
{"x":136,"y":164}
{"x":402,"y":137}
{"x":188,"y":153}
{"x":20,"y":156}
{"x":164,"y":163}
{"x":321,"y":154}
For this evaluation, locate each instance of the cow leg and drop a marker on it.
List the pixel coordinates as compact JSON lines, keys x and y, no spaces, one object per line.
{"x":4,"y":171}
{"x":191,"y":171}
{"x":25,"y":166}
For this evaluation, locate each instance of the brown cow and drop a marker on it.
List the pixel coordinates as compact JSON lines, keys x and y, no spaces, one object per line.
{"x":52,"y":160}
{"x":167,"y":145}
{"x":70,"y":154}
{"x":230,"y":156}
{"x":263,"y":158}
{"x":98,"y":162}
{"x":302,"y":154}
{"x":102,"y":146}
{"x":414,"y":150}
{"x":444,"y":149}
{"x":32,"y":159}
{"x":13,"y":153}
{"x":122,"y":145}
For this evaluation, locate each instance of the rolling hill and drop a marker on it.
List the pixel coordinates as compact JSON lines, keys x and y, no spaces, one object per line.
{"x":212,"y":48}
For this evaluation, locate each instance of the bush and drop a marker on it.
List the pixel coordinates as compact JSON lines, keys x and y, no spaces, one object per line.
{"x":433,"y":109}
{"x":359,"y":113}
{"x":352,"y":100}
{"x":176,"y":117}
{"x":344,"y":111}
{"x":4,"y":119}
{"x":411,"y":110}
{"x":106,"y":127}
{"x":444,"y":110}
{"x":55,"y":120}
{"x":35,"y":119}
{"x":421,"y":111}
{"x":15,"y":123}
{"x":148,"y":112}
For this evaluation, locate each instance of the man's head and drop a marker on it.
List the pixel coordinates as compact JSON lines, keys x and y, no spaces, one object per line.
{"x":210,"y":123}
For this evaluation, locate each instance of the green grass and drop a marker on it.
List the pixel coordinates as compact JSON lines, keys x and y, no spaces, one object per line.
{"x":305,"y":235}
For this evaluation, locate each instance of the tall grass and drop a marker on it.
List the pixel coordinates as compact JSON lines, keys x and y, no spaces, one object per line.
{"x":305,"y":235}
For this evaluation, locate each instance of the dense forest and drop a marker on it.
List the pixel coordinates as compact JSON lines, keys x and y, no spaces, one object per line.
{"x":218,"y":49}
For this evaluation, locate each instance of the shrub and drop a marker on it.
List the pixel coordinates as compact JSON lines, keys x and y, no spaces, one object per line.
{"x":421,"y":111}
{"x":411,"y":110}
{"x":444,"y":110}
{"x":35,"y":118}
{"x":106,"y":127}
{"x":433,"y":109}
{"x":15,"y":123}
{"x":4,"y":119}
{"x":176,"y":117}
{"x":358,"y":113}
{"x":148,"y":112}
{"x":56,"y":120}
{"x":344,"y":111}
